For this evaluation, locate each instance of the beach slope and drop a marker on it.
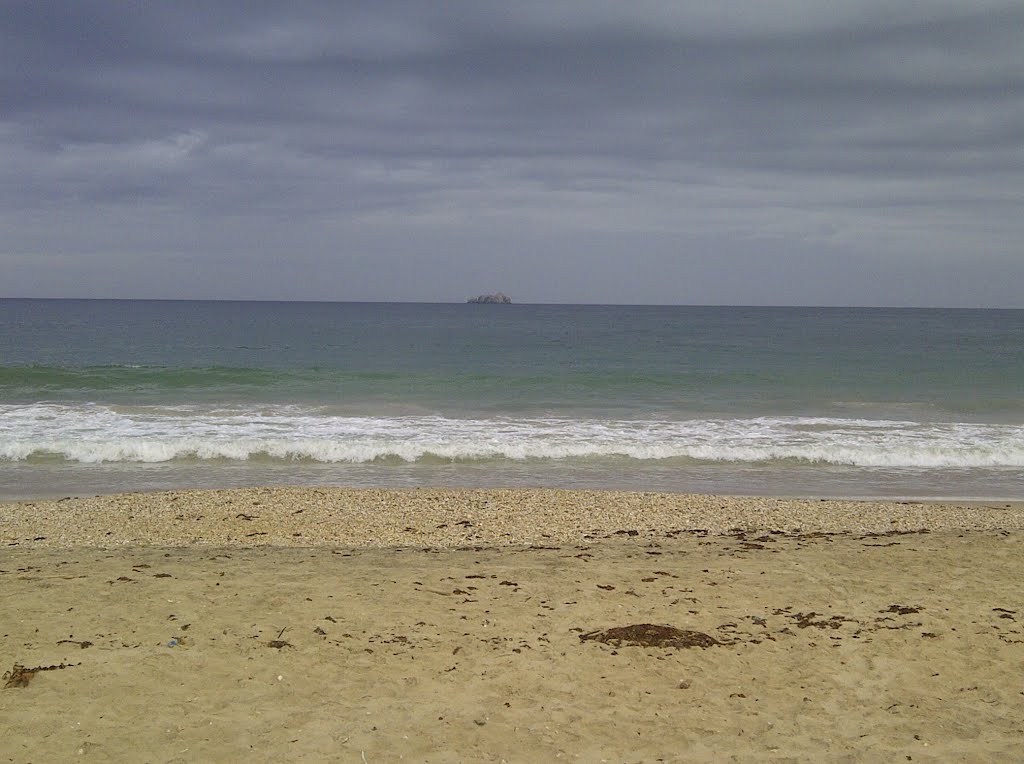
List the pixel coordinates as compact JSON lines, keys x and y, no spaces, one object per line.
{"x":443,"y":625}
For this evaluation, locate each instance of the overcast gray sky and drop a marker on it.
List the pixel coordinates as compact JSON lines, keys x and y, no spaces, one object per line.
{"x":868,"y":152}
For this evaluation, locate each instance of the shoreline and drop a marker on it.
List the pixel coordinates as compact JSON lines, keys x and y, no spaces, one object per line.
{"x":442,"y":517}
{"x":967,"y":500}
{"x":470,"y":625}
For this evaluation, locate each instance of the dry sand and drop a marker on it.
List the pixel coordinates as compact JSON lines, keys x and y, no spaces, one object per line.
{"x":429,"y":625}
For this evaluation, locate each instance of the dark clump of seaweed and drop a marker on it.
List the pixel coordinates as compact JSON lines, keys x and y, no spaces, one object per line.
{"x":902,"y":609}
{"x":20,"y":676}
{"x":650,"y":635}
{"x":279,"y":643}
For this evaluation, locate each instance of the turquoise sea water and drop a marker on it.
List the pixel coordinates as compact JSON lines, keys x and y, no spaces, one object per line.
{"x":100,"y":396}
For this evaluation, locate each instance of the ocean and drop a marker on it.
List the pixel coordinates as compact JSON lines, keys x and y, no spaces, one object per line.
{"x":101,"y":396}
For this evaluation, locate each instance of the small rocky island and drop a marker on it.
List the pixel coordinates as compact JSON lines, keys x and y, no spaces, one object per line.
{"x":491,"y":299}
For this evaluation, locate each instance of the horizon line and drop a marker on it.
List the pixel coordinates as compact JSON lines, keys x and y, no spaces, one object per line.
{"x":514,"y":304}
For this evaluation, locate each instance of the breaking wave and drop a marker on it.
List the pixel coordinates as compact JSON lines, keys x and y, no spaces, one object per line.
{"x":91,"y":433}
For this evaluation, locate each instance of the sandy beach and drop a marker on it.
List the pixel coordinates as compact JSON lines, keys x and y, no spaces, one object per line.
{"x":508,"y":625}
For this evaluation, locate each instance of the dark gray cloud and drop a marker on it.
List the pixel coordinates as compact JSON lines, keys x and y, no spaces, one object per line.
{"x":578,"y":151}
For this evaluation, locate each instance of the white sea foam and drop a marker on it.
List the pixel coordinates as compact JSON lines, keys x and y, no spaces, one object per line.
{"x":94,"y":433}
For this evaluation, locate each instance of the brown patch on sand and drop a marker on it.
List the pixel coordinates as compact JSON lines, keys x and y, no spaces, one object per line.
{"x":650,"y":635}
